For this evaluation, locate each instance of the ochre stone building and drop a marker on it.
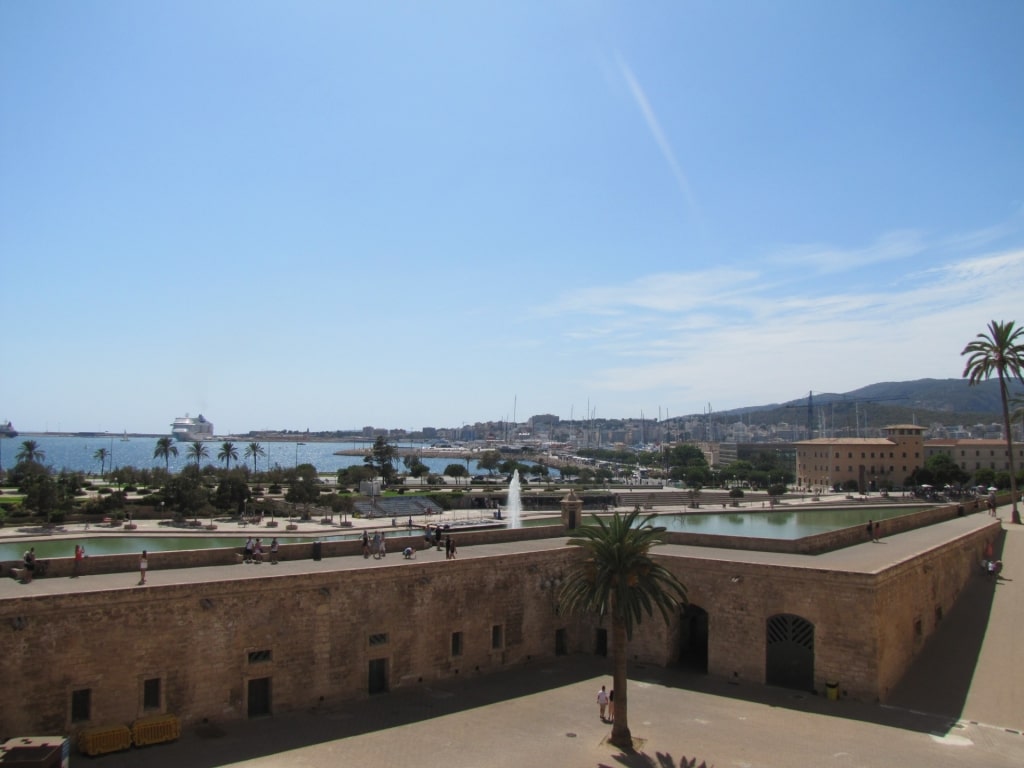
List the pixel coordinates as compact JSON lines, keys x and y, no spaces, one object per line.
{"x":872,"y":463}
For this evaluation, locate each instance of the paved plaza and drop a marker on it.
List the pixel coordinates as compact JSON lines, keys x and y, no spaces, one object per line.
{"x":961,"y":704}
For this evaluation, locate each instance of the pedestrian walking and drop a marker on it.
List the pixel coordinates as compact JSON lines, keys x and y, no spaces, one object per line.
{"x":274,"y":547}
{"x":79,"y":554}
{"x":143,"y":567}
{"x":611,"y":705}
{"x":602,"y":702}
{"x":871,"y":531}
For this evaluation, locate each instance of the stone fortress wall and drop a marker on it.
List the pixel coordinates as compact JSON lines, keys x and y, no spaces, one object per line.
{"x":231,"y":649}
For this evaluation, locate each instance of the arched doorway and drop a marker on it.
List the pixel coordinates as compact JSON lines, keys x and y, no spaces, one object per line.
{"x":693,"y":638}
{"x":789,"y":657}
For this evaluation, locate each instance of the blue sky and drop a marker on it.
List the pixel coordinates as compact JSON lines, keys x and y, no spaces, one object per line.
{"x":330,"y":214}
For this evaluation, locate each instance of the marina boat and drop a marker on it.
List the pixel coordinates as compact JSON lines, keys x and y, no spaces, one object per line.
{"x":187,"y":429}
{"x":6,"y":430}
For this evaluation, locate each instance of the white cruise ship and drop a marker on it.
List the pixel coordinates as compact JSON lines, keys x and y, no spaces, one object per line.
{"x":186,"y":428}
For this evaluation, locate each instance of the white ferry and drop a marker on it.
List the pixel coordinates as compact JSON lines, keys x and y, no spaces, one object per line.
{"x":185,"y":428}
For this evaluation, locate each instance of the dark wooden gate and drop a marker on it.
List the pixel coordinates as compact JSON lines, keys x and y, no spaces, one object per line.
{"x":693,"y":638}
{"x":601,"y":641}
{"x":789,"y":660}
{"x":259,"y":697}
{"x":378,"y":682}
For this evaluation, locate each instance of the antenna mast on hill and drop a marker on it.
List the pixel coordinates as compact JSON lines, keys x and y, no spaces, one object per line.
{"x":810,"y":415}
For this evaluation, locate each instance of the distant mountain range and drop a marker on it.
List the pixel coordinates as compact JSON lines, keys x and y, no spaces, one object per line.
{"x":924,"y":401}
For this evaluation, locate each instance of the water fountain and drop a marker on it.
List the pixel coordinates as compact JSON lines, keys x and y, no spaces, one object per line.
{"x":514,"y":505}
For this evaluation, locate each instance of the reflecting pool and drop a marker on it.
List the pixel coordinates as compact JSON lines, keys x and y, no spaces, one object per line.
{"x":781,"y":523}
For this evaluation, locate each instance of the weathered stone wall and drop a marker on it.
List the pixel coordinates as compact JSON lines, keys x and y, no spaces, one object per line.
{"x":314,"y":635}
{"x":913,"y":597}
{"x":866,"y":631}
{"x":317,"y":629}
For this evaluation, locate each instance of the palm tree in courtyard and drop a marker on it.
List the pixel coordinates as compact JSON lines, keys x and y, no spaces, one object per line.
{"x":30,"y":451}
{"x":618,"y":578}
{"x":197,"y":452}
{"x":999,"y":352}
{"x":165,"y":448}
{"x":252,"y":450}
{"x":227,"y":453}
{"x":101,"y":456}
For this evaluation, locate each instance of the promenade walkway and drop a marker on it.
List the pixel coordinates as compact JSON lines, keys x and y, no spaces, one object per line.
{"x":961,"y":704}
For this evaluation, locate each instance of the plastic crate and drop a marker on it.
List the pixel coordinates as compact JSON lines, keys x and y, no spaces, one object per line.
{"x":155,"y":730}
{"x":103,"y":739}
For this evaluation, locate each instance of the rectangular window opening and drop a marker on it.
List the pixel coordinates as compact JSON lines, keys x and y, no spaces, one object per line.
{"x":81,"y":705}
{"x":258,"y":657}
{"x":151,"y":694}
{"x":380,"y":638}
{"x":497,"y":639}
{"x":456,"y":643}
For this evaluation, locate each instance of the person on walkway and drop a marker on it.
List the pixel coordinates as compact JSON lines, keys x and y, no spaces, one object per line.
{"x":611,"y":706}
{"x":249,"y":546}
{"x":257,"y":552}
{"x":602,"y":702}
{"x":447,"y":547}
{"x":878,"y":531}
{"x":992,"y":503}
{"x":143,"y":567}
{"x":366,"y":544}
{"x":30,"y":564}
{"x":79,"y":554}
{"x":382,"y":546}
{"x":274,"y":547}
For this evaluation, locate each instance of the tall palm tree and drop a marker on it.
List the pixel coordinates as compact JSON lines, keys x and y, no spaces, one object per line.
{"x":227,"y":453}
{"x":165,"y":448}
{"x":617,"y":578}
{"x":101,"y":455}
{"x":30,"y":451}
{"x":252,"y":450}
{"x":1000,"y":351}
{"x":197,"y":451}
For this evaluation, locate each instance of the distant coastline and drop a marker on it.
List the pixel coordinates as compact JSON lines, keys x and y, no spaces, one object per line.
{"x":261,"y":438}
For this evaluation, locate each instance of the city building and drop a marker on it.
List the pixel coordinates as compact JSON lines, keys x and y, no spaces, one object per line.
{"x":972,"y":455}
{"x":870,"y":462}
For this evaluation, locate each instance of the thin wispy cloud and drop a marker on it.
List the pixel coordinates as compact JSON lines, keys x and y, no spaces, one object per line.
{"x":654,"y":126}
{"x":891,"y":247}
{"x":835,"y":332}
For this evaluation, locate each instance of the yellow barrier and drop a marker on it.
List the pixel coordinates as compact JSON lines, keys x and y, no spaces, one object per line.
{"x":103,"y":739}
{"x":155,"y":730}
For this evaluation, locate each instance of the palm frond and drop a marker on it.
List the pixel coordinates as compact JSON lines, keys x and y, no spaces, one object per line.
{"x":618,"y":577}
